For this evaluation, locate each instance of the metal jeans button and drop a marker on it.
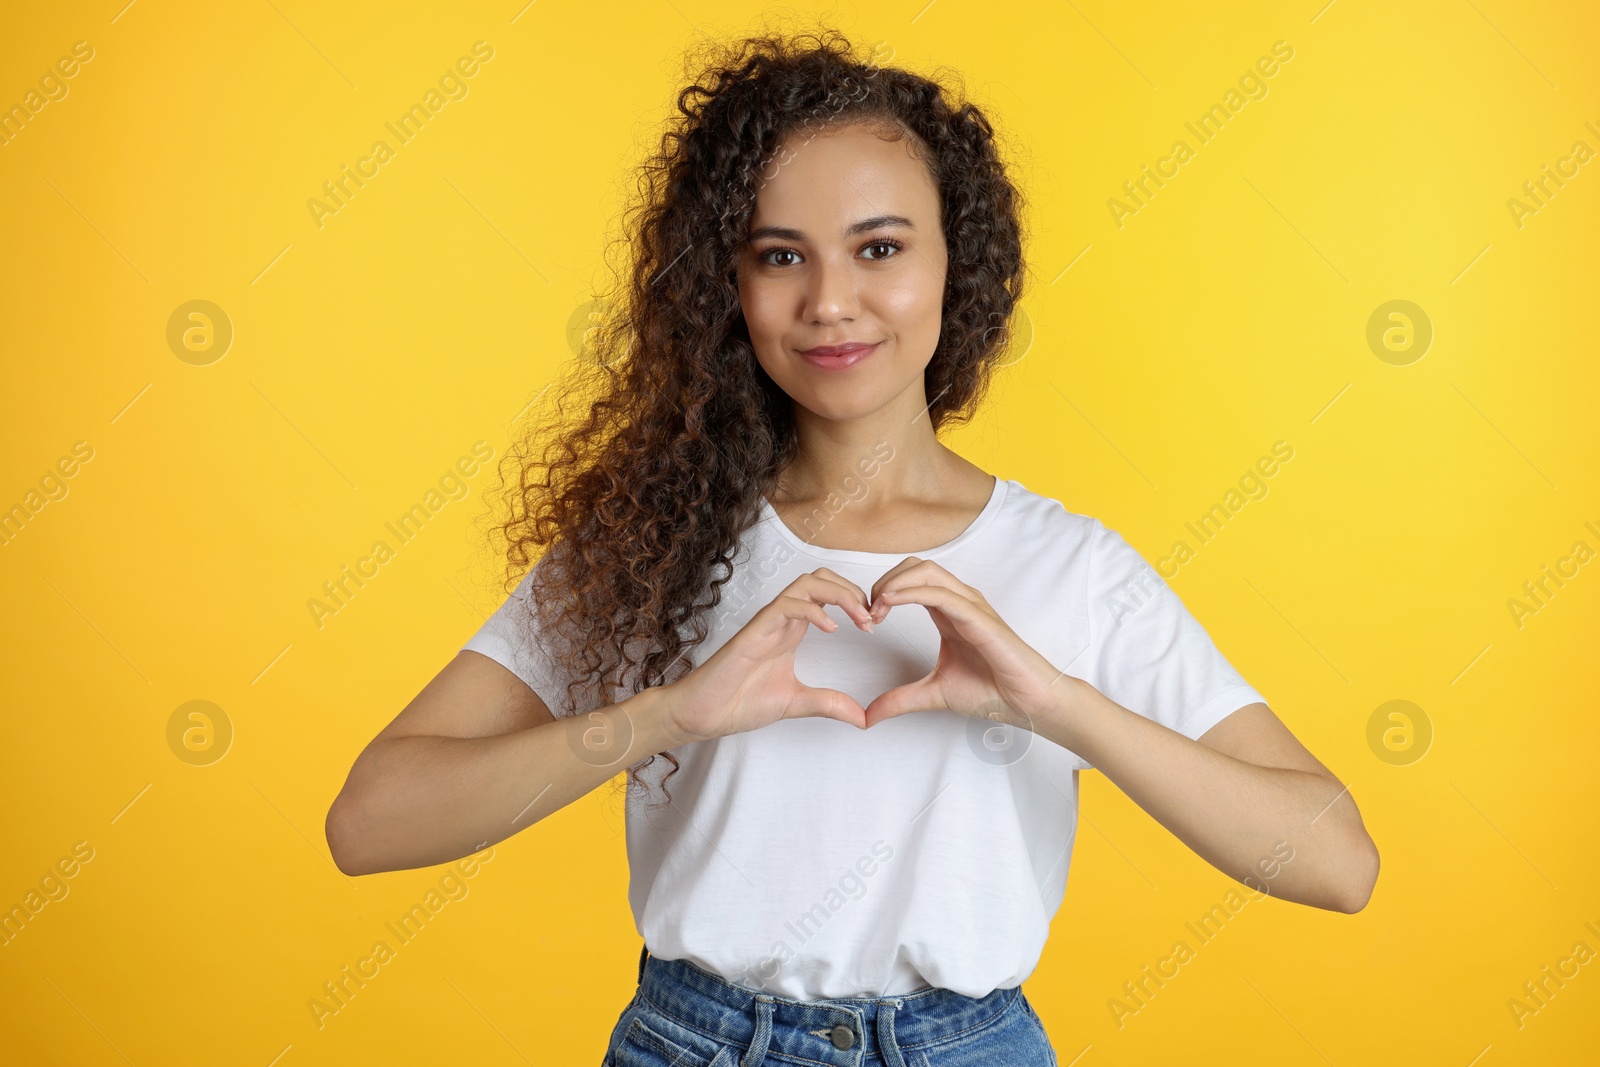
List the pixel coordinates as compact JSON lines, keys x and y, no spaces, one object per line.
{"x":842,"y":1036}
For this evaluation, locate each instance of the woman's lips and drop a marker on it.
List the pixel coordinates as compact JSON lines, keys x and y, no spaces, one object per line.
{"x":840,"y":357}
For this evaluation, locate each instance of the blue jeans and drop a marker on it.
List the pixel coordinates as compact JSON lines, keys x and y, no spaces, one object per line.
{"x":684,"y":1016}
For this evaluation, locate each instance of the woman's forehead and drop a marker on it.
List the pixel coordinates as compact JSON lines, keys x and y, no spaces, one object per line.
{"x":824,"y":185}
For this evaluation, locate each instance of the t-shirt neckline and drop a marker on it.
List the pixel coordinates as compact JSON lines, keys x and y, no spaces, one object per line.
{"x":781,"y":530}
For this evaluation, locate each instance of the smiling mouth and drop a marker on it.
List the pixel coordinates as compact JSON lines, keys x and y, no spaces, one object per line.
{"x":838,"y":350}
{"x":838,"y":357}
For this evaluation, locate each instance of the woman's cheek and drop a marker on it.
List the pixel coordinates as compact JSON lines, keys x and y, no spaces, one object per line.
{"x":913,"y":298}
{"x":758,"y":305}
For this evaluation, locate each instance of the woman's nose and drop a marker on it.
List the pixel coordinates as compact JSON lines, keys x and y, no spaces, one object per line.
{"x":832,"y":295}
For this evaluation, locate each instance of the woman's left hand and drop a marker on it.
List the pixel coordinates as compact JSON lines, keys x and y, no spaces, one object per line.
{"x":984,"y":670}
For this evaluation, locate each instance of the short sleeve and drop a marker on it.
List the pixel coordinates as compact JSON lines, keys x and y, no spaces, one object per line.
{"x":1146,"y":651}
{"x":510,"y":637}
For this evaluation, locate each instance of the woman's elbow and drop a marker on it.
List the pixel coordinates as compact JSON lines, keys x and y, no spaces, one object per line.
{"x":1362,"y":876}
{"x":343,"y":838}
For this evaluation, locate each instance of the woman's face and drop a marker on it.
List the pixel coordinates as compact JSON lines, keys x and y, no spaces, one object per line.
{"x":846,"y":246}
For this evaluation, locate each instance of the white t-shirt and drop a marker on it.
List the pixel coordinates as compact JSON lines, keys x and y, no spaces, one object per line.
{"x":810,"y":859}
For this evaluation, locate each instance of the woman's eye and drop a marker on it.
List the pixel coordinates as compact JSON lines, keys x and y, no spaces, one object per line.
{"x":890,"y":248}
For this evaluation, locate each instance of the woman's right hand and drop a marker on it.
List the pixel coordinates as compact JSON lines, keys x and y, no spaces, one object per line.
{"x":749,"y":682}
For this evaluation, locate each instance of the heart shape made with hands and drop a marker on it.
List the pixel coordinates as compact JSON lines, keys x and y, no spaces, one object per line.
{"x":984,"y":670}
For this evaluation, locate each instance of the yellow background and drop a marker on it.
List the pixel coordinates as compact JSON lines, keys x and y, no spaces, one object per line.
{"x":369,"y":354}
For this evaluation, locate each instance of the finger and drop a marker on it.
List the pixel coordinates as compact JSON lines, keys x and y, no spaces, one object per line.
{"x":894,"y":572}
{"x":823,"y":590}
{"x":924,"y":572}
{"x":901,"y":700}
{"x":828,"y":704}
{"x":958,"y":608}
{"x":791,"y":607}
{"x":834,"y":576}
{"x":855,"y":599}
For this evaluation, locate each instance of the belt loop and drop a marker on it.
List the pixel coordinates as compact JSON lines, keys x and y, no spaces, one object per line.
{"x":888,"y":1047}
{"x":644,"y":951}
{"x":758,"y":1044}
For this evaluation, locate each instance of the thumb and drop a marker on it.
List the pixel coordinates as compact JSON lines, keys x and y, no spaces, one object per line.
{"x":828,"y":704}
{"x":901,"y":700}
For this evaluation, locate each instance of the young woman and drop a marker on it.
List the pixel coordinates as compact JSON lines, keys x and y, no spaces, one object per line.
{"x":851,"y":676}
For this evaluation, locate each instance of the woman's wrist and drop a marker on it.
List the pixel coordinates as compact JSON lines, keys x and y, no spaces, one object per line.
{"x":1070,"y":710}
{"x":652,"y":714}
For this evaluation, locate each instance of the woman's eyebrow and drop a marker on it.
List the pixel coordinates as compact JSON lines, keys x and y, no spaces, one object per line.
{"x":874,"y":223}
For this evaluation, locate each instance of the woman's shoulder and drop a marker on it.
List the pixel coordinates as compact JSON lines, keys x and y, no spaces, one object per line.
{"x":1028,"y":510}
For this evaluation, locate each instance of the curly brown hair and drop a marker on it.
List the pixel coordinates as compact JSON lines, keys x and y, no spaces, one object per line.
{"x":632,"y":512}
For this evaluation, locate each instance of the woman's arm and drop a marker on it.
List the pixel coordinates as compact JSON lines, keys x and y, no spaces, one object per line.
{"x":474,"y":758}
{"x":1243,"y":797}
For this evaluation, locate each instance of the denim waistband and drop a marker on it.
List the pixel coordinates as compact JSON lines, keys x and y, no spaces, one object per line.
{"x":808,"y":1029}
